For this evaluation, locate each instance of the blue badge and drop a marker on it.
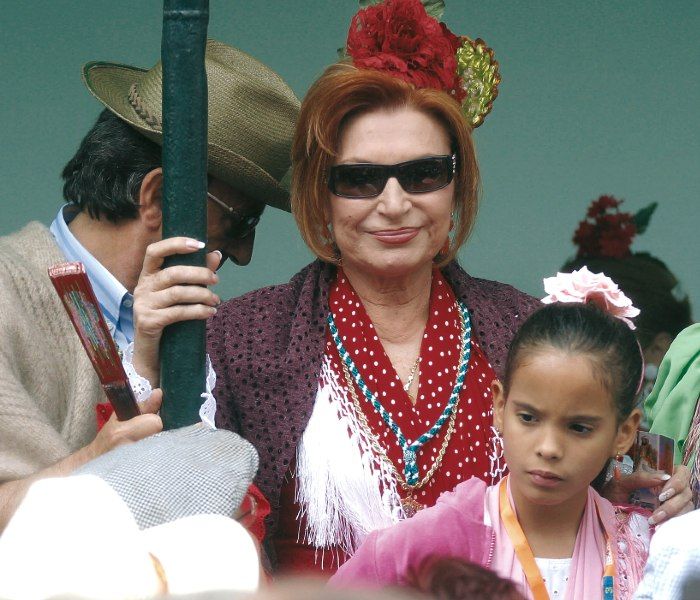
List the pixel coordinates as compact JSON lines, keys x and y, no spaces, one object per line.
{"x":608,"y":588}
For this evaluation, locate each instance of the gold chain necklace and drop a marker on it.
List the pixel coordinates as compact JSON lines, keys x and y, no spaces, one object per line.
{"x":409,"y":504}
{"x":411,"y":375}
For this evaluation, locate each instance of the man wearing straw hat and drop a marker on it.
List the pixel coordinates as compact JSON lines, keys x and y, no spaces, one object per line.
{"x":113,"y":186}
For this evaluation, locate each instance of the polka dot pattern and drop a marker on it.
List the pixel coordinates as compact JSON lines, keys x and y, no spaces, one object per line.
{"x":267,"y":346}
{"x":440,"y":354}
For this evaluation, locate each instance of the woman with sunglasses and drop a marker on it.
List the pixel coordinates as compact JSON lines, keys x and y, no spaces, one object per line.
{"x":364,"y":381}
{"x":389,"y":404}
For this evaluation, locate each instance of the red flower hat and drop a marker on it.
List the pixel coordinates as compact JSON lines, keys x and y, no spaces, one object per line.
{"x":401,"y":38}
{"x":606,"y":232}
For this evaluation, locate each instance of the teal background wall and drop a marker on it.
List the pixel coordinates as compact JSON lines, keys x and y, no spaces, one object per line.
{"x":597,"y":97}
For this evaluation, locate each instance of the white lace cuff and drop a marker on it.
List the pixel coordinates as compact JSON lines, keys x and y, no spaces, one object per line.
{"x":207,"y":411}
{"x":139,"y":385}
{"x":142,"y":387}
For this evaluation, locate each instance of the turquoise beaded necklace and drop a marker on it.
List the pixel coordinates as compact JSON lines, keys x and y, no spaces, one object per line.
{"x":411,"y":448}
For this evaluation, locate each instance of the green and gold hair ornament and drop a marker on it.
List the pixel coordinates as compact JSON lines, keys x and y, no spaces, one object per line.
{"x":478,"y":70}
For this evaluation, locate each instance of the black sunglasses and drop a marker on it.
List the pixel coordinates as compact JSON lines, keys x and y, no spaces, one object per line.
{"x":367,"y":180}
{"x":241,"y":225}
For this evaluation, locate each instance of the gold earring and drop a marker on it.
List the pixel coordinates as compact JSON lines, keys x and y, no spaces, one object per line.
{"x":336,"y":254}
{"x":617,"y":470}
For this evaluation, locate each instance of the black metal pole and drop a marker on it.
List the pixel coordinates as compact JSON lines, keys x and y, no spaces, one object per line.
{"x":184,"y":194}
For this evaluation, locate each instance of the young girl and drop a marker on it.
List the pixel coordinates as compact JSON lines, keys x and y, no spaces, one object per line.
{"x":564,"y":408}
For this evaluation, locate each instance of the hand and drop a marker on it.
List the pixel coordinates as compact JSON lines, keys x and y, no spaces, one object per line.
{"x":166,"y":296}
{"x":115,"y":433}
{"x":676,"y":497}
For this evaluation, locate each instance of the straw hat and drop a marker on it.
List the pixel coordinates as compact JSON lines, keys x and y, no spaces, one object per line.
{"x":252,"y":113}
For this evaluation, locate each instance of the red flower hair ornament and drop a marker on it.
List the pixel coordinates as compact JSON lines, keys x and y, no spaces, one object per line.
{"x":606,"y":232}
{"x":400,"y":38}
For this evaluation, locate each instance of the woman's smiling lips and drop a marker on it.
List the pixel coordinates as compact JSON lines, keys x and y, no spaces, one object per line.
{"x":544,"y":478}
{"x":396,"y":236}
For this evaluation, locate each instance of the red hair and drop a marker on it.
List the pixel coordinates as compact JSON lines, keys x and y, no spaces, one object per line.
{"x":342,"y":92}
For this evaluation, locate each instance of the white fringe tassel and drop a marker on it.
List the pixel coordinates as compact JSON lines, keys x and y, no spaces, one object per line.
{"x":496,"y":457}
{"x":345,"y":491}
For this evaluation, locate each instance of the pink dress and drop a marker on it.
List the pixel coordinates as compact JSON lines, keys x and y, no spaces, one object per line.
{"x":456,"y":527}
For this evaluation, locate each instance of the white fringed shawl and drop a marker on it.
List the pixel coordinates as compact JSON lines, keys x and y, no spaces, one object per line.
{"x":344,"y":489}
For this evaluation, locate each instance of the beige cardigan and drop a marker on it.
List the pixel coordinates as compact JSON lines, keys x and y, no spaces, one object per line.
{"x":48,"y":389}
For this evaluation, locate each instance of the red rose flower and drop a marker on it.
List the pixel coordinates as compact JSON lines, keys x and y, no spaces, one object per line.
{"x":613,"y":246}
{"x":399,"y":38}
{"x":606,"y":232}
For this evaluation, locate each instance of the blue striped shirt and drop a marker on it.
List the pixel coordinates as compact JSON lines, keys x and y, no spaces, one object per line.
{"x":114,"y":299}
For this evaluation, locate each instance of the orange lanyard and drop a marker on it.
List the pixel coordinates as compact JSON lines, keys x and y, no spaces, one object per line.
{"x":527,"y":558}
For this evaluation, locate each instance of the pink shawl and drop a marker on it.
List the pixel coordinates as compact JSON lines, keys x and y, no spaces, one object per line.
{"x":629,"y":549}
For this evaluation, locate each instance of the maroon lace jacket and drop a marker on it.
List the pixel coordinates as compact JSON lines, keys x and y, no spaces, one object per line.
{"x":267,"y":346}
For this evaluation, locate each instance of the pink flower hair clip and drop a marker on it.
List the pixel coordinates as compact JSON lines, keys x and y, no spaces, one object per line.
{"x":584,"y":286}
